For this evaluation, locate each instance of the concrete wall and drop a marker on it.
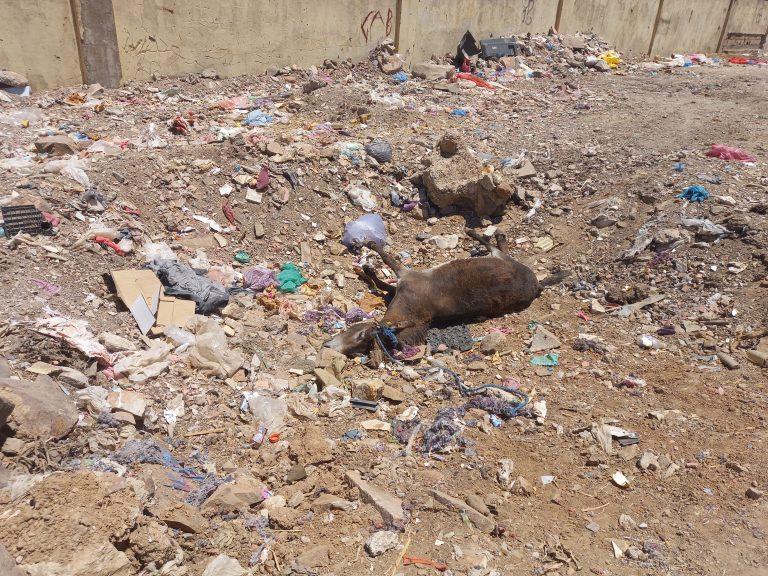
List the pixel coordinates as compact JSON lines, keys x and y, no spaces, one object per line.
{"x":690,"y":26}
{"x":37,"y":39}
{"x":235,"y":37}
{"x":171,"y":37}
{"x":624,"y":23}
{"x":430,"y":27}
{"x":747,"y":17}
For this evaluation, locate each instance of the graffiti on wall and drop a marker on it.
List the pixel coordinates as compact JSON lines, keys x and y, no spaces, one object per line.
{"x":528,"y":8}
{"x":366,"y":26}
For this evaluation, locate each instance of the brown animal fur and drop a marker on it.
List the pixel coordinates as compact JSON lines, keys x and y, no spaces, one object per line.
{"x":459,"y":290}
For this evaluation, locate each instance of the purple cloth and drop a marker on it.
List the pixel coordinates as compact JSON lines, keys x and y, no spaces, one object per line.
{"x":259,"y":278}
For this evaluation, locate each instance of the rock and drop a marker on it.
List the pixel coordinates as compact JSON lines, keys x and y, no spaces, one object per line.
{"x":431,"y":71}
{"x":273,"y":502}
{"x":315,"y":557}
{"x":648,"y":460}
{"x":757,"y":357}
{"x":284,"y":518}
{"x":478,"y":504}
{"x":258,"y":229}
{"x":330,"y":502}
{"x":379,"y":150}
{"x":327,"y":379}
{"x":209,"y":73}
{"x":223,"y":565}
{"x":12,"y":79}
{"x":313,"y":84}
{"x":368,"y":389}
{"x":602,"y":66}
{"x":179,"y":516}
{"x":446,"y":241}
{"x":41,"y":410}
{"x":753,"y":493}
{"x":312,"y":447}
{"x":8,"y":564}
{"x":57,"y":145}
{"x":380,"y":542}
{"x":237,"y":496}
{"x":522,"y":486}
{"x":115,"y":343}
{"x":149,"y":542}
{"x":73,"y":378}
{"x":128,"y":401}
{"x":12,"y":446}
{"x":482,"y":522}
{"x":492,"y":343}
{"x":504,"y":473}
{"x":390,"y":507}
{"x":543,"y":340}
{"x":393,"y":394}
{"x":296,"y":473}
{"x":728,"y":361}
{"x":390,"y":63}
{"x":460,"y":182}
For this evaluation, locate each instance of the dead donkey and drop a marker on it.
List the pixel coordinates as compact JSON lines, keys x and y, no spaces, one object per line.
{"x":464,"y":289}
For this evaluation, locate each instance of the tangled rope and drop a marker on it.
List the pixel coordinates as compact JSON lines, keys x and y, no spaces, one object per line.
{"x":510,"y":410}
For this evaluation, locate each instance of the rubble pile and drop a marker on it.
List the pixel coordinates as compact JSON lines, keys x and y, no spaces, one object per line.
{"x":176,"y":253}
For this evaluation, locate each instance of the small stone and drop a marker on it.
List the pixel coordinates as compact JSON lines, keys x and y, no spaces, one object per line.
{"x":128,"y":401}
{"x":522,"y":486}
{"x":757,"y":357}
{"x":492,"y":343}
{"x":296,"y":473}
{"x":330,"y":502}
{"x":209,"y":73}
{"x":179,"y":516}
{"x":753,"y":493}
{"x":648,"y":460}
{"x":478,"y":504}
{"x":223,"y":565}
{"x":254,"y":197}
{"x":430,"y":71}
{"x":12,"y":446}
{"x":258,"y":230}
{"x":380,"y":542}
{"x":284,"y":518}
{"x":327,"y":379}
{"x":543,"y":340}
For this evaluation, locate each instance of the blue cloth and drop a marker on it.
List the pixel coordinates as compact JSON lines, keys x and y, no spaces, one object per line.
{"x":695,"y":193}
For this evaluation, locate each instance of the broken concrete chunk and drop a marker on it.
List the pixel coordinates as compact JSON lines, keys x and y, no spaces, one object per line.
{"x":430,"y":71}
{"x":115,"y":343}
{"x":390,"y":507}
{"x":128,"y":401}
{"x":380,"y":542}
{"x":223,"y":565}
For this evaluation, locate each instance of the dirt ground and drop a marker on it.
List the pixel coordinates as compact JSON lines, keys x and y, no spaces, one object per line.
{"x":601,"y":144}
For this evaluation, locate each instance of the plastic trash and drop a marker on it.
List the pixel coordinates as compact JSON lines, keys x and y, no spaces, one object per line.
{"x":730,"y":153}
{"x":210,"y":353}
{"x":379,"y":150}
{"x":259,"y":278}
{"x":72,"y":168}
{"x":145,"y":364}
{"x":179,"y":335}
{"x":695,"y":193}
{"x":181,"y":280}
{"x":268,"y":412}
{"x":290,"y":278}
{"x":400,"y":76}
{"x":23,"y":117}
{"x":157,"y":251}
{"x":362,"y":197}
{"x":367,"y":228}
{"x":612,"y":58}
{"x":459,"y":112}
{"x":352,"y":151}
{"x":258,"y":118}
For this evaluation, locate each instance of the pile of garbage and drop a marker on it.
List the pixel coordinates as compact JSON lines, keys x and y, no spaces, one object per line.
{"x":176,"y":254}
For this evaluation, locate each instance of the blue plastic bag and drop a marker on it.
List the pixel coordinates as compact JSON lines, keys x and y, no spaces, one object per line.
{"x":695,"y":193}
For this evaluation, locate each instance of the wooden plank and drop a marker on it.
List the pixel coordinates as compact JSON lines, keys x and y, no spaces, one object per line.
{"x":725,"y":25}
{"x":558,"y":15}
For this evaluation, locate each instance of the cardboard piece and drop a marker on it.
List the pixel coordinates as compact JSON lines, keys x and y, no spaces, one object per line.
{"x":174,"y":312}
{"x":140,"y":291}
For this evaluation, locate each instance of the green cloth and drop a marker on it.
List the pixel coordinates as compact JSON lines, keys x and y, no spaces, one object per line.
{"x":290,"y":278}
